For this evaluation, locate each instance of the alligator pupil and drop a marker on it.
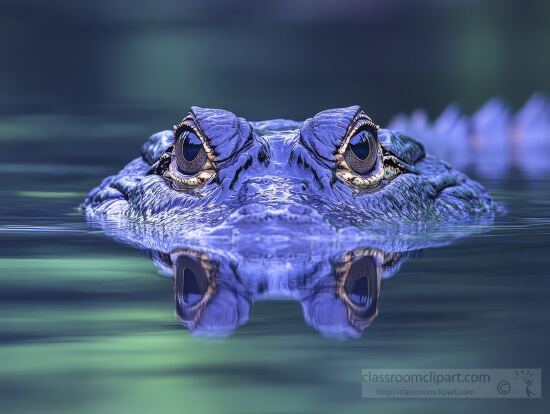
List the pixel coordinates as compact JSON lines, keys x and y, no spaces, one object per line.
{"x":191,"y":146}
{"x":360,"y":144}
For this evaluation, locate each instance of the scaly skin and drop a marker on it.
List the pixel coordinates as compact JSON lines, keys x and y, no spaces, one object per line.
{"x":285,"y":177}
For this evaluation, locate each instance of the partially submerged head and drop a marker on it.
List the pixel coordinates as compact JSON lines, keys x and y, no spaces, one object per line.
{"x":338,"y":171}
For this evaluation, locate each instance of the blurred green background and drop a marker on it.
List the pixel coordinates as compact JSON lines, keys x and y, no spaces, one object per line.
{"x":265,"y":59}
{"x":87,"y":326}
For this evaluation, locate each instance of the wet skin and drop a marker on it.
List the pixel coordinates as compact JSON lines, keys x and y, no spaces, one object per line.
{"x":336,"y":173}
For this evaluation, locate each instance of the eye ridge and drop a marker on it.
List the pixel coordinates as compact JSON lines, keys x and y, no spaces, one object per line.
{"x":358,"y":275}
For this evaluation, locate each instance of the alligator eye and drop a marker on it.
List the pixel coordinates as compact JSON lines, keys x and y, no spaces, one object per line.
{"x":190,"y":153}
{"x":191,"y":281}
{"x":359,"y":160}
{"x":362,"y":152}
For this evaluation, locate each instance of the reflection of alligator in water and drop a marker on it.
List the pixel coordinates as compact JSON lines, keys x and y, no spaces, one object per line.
{"x":339,"y":294}
{"x":336,"y":279}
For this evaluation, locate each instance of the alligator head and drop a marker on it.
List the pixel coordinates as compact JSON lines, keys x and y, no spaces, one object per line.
{"x":337,"y":172}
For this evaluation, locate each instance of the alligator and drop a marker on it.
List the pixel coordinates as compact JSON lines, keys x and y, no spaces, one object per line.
{"x":335,"y":174}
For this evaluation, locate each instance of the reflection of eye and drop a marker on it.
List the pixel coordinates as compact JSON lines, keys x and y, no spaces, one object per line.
{"x":190,"y":153}
{"x":191,"y":280}
{"x":361,"y":152}
{"x":361,"y":275}
{"x":358,"y":275}
{"x":195,"y":277}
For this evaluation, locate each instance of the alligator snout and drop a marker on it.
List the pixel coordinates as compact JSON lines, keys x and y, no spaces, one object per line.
{"x":284,"y":216}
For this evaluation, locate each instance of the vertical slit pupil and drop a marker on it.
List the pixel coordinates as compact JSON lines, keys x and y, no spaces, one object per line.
{"x":191,"y":147}
{"x":360,"y":144}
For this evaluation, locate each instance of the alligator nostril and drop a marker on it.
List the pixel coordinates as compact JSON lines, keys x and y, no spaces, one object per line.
{"x":251,"y":209}
{"x":299,"y":209}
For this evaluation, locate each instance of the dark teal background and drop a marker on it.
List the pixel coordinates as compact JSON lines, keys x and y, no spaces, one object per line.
{"x":265,"y":59}
{"x":88,"y":326}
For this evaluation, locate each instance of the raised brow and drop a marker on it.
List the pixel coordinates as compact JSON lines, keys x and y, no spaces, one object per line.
{"x":323,"y":134}
{"x":226,"y":133}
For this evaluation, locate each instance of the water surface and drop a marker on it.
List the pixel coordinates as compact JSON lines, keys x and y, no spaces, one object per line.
{"x":88,"y":325}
